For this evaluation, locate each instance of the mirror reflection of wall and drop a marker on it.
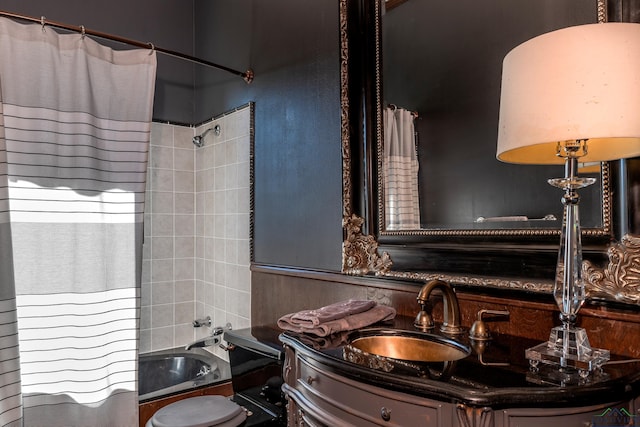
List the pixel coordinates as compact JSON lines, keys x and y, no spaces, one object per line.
{"x":443,"y":60}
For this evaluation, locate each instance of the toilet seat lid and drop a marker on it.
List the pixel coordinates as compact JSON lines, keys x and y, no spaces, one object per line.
{"x":200,"y":411}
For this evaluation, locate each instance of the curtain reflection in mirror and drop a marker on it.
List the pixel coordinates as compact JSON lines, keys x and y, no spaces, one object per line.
{"x":400,"y":165}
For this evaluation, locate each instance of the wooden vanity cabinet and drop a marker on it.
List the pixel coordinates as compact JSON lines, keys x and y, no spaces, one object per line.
{"x":318,"y":395}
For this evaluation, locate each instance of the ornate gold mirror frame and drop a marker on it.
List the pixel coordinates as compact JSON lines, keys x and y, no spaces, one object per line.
{"x":618,"y":280}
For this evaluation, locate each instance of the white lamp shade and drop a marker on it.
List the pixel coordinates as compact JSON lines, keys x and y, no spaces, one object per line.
{"x":579,"y":82}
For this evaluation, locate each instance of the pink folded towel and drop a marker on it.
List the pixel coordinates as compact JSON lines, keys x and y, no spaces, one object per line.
{"x":330,"y":341}
{"x":378,"y":313}
{"x":331,"y":312}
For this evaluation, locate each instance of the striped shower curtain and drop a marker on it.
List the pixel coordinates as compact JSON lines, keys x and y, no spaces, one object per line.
{"x":400,"y":171}
{"x":74,"y":135}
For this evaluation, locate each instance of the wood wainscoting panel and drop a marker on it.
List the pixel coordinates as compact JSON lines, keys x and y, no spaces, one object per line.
{"x":277,"y":291}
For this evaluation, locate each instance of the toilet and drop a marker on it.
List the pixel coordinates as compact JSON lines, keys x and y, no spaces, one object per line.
{"x":199,"y":411}
{"x":256,"y":358}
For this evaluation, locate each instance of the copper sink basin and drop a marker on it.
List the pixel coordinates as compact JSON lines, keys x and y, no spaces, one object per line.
{"x":409,"y":345}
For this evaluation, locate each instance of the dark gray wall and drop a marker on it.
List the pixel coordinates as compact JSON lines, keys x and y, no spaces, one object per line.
{"x":293,"y":47}
{"x":166,"y":23}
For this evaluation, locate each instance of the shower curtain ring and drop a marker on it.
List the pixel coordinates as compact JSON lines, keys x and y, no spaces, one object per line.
{"x":42,"y":18}
{"x":153,"y":48}
{"x":82,"y":32}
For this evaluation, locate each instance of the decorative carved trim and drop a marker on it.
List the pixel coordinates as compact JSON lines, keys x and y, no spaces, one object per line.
{"x":474,"y":417}
{"x":602,"y":11}
{"x":360,"y":252}
{"x":381,"y":296}
{"x":477,"y":281}
{"x":620,"y":280}
{"x":347,"y":185}
{"x":252,"y":179}
{"x":289,"y":370}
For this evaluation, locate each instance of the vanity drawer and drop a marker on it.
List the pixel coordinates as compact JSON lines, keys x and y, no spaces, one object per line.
{"x":361,"y":404}
{"x":581,"y":416}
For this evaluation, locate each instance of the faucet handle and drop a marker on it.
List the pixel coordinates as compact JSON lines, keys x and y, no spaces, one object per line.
{"x":424,"y":320}
{"x":205,"y":321}
{"x":479,"y":330}
{"x":218,"y":330}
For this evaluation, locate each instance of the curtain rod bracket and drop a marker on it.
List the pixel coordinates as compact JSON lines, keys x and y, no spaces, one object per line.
{"x":248,"y":76}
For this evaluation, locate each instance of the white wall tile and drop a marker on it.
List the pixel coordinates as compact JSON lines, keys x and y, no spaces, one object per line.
{"x":161,"y":135}
{"x":184,"y":291}
{"x":162,"y":338}
{"x":183,"y":333}
{"x":161,"y":316}
{"x":184,"y":160}
{"x":162,"y":293}
{"x":161,"y":157}
{"x":184,"y":268}
{"x":145,"y":317}
{"x":196,"y":251}
{"x":162,"y":202}
{"x":162,"y":247}
{"x":161,"y":270}
{"x":145,"y":341}
{"x":184,"y":181}
{"x":184,"y":313}
{"x":184,"y":225}
{"x":184,"y":203}
{"x":183,"y":137}
{"x":184,"y":247}
{"x":161,"y":179}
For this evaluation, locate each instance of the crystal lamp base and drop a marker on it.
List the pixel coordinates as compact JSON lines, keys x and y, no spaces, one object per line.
{"x":568,"y":347}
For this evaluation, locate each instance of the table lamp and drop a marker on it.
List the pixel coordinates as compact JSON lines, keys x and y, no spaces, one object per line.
{"x":571,"y":96}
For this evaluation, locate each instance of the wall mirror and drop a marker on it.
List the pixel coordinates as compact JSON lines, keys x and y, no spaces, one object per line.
{"x":482,"y":222}
{"x":439,"y":98}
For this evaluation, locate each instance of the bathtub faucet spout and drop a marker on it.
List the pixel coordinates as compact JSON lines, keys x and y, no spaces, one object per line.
{"x":203,"y":342}
{"x":212,"y":339}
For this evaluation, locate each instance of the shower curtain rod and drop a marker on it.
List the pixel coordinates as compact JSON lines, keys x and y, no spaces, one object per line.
{"x":246,"y":75}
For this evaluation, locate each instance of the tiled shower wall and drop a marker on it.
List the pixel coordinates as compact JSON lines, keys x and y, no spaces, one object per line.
{"x":197,"y":243}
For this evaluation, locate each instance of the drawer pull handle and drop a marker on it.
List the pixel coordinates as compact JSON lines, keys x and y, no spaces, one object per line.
{"x":310,"y":380}
{"x":385,"y":414}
